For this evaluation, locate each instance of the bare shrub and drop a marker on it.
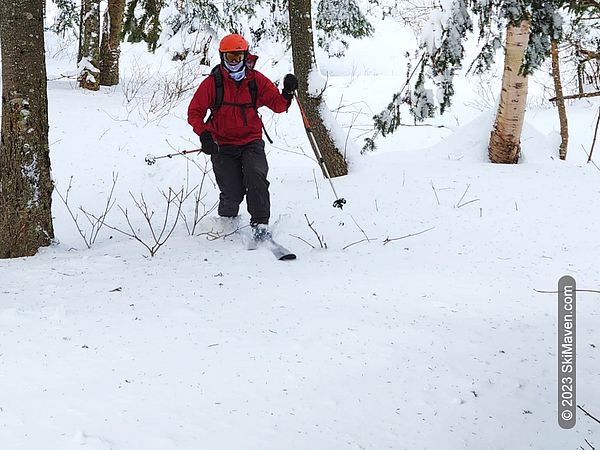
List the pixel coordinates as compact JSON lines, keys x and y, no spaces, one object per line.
{"x":89,"y":232}
{"x":154,"y":95}
{"x":160,"y":229}
{"x":201,"y":209}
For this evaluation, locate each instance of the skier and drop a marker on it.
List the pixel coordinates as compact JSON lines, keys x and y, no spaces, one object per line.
{"x":232,"y":134}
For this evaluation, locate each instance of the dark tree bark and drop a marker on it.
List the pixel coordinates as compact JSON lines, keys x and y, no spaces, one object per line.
{"x":304,"y":63}
{"x":110,"y":48}
{"x":560,"y":101}
{"x":25,"y":183}
{"x":89,"y":45}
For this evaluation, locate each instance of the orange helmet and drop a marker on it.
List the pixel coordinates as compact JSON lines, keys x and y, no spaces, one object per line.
{"x":233,"y":43}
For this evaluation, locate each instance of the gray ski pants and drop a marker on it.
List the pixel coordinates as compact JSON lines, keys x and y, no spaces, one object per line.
{"x":242,"y":171}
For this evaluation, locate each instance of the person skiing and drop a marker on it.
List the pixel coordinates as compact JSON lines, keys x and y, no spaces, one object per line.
{"x":232,"y":134}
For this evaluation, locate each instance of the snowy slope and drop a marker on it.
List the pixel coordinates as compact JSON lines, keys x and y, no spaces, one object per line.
{"x":433,"y":339}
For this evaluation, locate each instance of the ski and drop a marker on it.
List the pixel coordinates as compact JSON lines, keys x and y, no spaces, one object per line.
{"x":278,"y":250}
{"x":252,"y":244}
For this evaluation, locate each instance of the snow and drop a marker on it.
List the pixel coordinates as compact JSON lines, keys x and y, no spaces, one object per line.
{"x":417,"y":327}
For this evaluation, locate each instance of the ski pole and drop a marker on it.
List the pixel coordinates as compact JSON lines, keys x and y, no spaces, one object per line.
{"x":151,"y":159}
{"x":339,"y":202}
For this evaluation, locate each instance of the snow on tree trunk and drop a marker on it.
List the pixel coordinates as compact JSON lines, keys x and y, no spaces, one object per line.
{"x":505,"y":145}
{"x":89,"y":45}
{"x":304,"y":64}
{"x":25,"y":183}
{"x":111,"y":39}
{"x":560,"y":101}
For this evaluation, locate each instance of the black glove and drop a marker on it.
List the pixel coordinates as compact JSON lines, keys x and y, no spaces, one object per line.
{"x":290,"y":84}
{"x":209,"y":146}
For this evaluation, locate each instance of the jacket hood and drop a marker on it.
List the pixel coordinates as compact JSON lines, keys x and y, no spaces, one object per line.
{"x":251,"y":60}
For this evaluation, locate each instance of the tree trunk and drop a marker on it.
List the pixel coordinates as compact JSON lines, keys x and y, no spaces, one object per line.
{"x":505,"y":145}
{"x":560,"y":101}
{"x":304,"y":64}
{"x":89,"y":45}
{"x":25,"y":183}
{"x":580,"y":64}
{"x":111,"y":40}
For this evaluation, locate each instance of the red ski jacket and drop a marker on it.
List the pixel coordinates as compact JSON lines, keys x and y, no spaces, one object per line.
{"x":232,"y":124}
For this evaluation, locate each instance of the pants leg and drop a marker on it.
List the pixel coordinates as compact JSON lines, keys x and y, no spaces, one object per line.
{"x":255,"y":169}
{"x":227,"y":166}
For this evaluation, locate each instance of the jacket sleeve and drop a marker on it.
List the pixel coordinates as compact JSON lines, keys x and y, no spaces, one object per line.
{"x":203,"y":98}
{"x":269,"y":95}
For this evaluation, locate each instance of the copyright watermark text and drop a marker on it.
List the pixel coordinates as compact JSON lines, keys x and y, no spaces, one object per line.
{"x":566,"y":352}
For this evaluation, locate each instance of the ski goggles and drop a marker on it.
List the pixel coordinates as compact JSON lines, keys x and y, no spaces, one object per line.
{"x":234,"y":57}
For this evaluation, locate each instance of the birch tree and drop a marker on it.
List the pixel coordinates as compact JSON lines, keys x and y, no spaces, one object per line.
{"x":25,"y":183}
{"x":524,"y":28}
{"x":505,"y":140}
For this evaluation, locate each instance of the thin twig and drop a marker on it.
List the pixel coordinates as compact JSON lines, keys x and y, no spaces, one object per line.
{"x":350,"y":104}
{"x":358,"y":242}
{"x":303,"y":240}
{"x":338,"y":108}
{"x":72,"y":77}
{"x":595,"y":134}
{"x":110,"y":202}
{"x":388,"y":240}
{"x":348,"y":134}
{"x":214,"y":235}
{"x":361,"y":230}
{"x":588,"y":414}
{"x":576,"y":290}
{"x":590,"y":160}
{"x":464,"y":193}
{"x":470,"y":201}
{"x":97,"y":223}
{"x":435,"y":192}
{"x":422,"y":125}
{"x":310,"y":225}
{"x":459,"y":204}
{"x":65,"y":200}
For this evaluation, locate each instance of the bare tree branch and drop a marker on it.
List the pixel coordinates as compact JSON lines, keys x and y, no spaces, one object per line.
{"x":578,"y":96}
{"x":303,"y":240}
{"x":310,"y":225}
{"x":588,"y":414}
{"x":388,"y":240}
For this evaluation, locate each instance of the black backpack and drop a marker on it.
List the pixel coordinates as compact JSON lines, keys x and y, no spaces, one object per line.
{"x":219,"y":86}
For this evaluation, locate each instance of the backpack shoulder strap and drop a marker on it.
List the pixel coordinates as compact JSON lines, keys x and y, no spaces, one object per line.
{"x":218,"y":76}
{"x":253,"y":94}
{"x":253,"y":90}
